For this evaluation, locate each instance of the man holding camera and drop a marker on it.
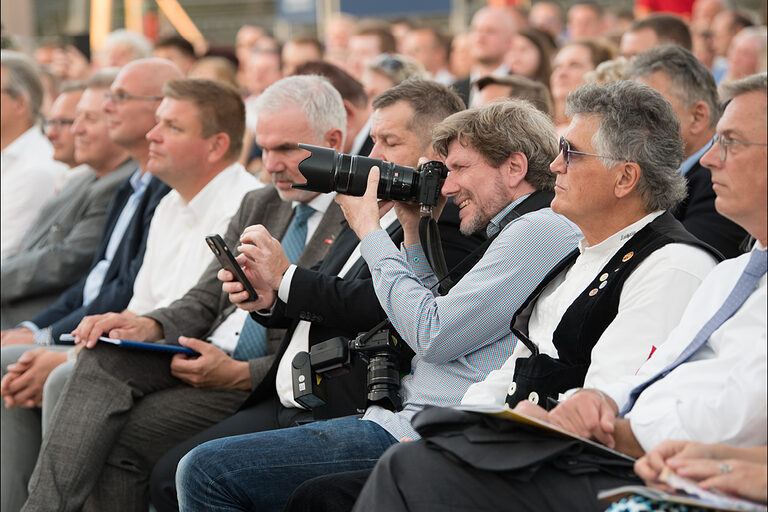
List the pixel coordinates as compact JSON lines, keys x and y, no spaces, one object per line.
{"x":458,"y":338}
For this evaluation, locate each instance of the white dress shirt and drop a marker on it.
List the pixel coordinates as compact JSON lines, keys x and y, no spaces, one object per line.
{"x":300,"y":338}
{"x":719,"y":394}
{"x":227,"y":333}
{"x":28,"y":178}
{"x":651,"y":303}
{"x":176,"y":251}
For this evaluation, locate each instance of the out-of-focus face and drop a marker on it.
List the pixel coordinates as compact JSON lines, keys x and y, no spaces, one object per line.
{"x":176,"y":144}
{"x":246,"y":39}
{"x":702,"y":46}
{"x":584,"y":190}
{"x":475,"y":186}
{"x":492,"y":92}
{"x":93,"y":145}
{"x":173,"y":54}
{"x":129,"y":120}
{"x":118,"y":56}
{"x":278,"y":135}
{"x":375,"y":83}
{"x":11,"y":108}
{"x":421,"y":46}
{"x":58,"y":126}
{"x":393,"y":139}
{"x":547,"y":17}
{"x":583,"y":21}
{"x":636,"y":42}
{"x":262,"y":70}
{"x":491,"y":35}
{"x":523,"y":57}
{"x":362,"y":50}
{"x":722,"y":33}
{"x":568,"y":69}
{"x":740,"y":182}
{"x":461,"y":59}
{"x":743,"y":56}
{"x":296,"y":54}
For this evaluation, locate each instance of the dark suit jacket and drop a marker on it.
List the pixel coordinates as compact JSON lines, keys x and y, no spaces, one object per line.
{"x":698,"y":215}
{"x":462,"y":88}
{"x":204,"y":307}
{"x":116,"y":291}
{"x":59,"y":247}
{"x":345,"y":307}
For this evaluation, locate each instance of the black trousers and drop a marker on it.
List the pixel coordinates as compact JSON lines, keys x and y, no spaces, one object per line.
{"x":268,"y":414}
{"x":419,"y":477}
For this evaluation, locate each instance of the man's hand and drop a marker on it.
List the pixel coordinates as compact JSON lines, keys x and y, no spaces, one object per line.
{"x":650,"y":466}
{"x":362,"y":213}
{"x":237,"y":294}
{"x":530,"y":409}
{"x":741,"y":478}
{"x":263,"y":255}
{"x":588,"y":414}
{"x":125,"y":325}
{"x":17,"y":336}
{"x":23,"y":385}
{"x":211,"y":369}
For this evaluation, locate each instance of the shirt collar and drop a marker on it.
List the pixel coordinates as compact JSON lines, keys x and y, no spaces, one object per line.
{"x":692,"y":160}
{"x":495,"y":225}
{"x":205,"y":200}
{"x":320,"y":203}
{"x":613,"y":242}
{"x":140,"y":181}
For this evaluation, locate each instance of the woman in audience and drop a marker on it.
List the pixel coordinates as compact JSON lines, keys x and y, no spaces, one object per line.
{"x":740,"y":472}
{"x":569,"y":66}
{"x":530,"y":55}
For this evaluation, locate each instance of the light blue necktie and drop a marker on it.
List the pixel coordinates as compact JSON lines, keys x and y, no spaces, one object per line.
{"x":755,"y":269}
{"x":252,"y":342}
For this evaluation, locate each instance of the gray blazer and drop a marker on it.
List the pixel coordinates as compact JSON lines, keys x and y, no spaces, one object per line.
{"x":59,"y":247}
{"x":204,"y":307}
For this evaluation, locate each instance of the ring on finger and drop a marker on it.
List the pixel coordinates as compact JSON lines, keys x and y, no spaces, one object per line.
{"x":724,"y":468}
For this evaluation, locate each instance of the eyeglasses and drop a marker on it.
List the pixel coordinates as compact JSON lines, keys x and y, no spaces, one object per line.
{"x":565,"y":149}
{"x":724,"y":142}
{"x":388,"y":63}
{"x":57,"y":123}
{"x":121,"y":97}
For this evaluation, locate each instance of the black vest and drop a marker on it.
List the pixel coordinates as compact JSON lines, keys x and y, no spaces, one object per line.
{"x":541,"y":378}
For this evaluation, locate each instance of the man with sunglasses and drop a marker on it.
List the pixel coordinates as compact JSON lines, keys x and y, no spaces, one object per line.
{"x":705,"y":383}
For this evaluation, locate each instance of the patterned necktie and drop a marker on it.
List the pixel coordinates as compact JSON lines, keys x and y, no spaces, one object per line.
{"x":755,"y":269}
{"x":252,"y":342}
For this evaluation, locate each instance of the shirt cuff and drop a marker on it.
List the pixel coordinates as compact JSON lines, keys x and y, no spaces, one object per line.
{"x":44,"y":337}
{"x":285,"y":284}
{"x":418,"y":260}
{"x":29,"y":325}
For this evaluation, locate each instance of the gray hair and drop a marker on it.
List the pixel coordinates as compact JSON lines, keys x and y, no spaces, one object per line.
{"x":636,"y":124}
{"x":23,"y":80}
{"x":752,"y":83}
{"x":102,"y":78}
{"x":141,"y":47}
{"x":320,"y":102}
{"x":691,"y":80}
{"x":497,"y":130}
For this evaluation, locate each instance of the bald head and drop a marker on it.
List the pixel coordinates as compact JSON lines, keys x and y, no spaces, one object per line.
{"x":151,"y":74}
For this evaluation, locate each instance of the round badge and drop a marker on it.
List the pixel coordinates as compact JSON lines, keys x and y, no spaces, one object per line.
{"x":593,"y":292}
{"x":628,"y":256}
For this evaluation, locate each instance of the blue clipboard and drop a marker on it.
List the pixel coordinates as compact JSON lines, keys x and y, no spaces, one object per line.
{"x":68,"y":339}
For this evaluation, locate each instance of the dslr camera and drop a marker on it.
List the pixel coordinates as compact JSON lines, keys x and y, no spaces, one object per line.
{"x":329,"y":171}
{"x":387,"y":357}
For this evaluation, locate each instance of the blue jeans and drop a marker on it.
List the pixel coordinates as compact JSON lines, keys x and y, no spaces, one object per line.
{"x":260,"y":471}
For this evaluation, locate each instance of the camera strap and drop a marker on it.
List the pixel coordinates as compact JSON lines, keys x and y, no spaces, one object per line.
{"x":429,"y":236}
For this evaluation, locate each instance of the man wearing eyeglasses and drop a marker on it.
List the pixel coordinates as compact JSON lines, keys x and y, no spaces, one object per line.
{"x":705,"y":383}
{"x":30,"y":176}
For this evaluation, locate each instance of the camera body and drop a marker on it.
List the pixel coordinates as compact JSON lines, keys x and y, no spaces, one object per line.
{"x":329,"y":171}
{"x":386,"y":354}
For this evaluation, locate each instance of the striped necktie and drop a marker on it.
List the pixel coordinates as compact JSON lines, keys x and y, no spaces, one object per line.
{"x":755,"y":269}
{"x":252,"y":342}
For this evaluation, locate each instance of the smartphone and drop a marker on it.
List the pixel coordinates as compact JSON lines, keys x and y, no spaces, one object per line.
{"x":227,"y":261}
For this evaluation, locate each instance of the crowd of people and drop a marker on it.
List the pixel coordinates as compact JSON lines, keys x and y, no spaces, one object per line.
{"x":601,"y":266}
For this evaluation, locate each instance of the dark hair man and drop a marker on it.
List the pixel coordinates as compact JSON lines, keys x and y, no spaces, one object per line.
{"x":177,"y":50}
{"x":653,"y":31}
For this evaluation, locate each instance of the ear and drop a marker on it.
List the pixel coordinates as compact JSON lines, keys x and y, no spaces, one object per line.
{"x":515,"y":169}
{"x":218,"y":145}
{"x":334,"y":138}
{"x":700,"y":117}
{"x":627,"y":178}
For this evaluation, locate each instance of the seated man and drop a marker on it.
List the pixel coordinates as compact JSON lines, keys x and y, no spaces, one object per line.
{"x":458,"y":338}
{"x":146,"y":402}
{"x":57,"y":251}
{"x":574,"y":329}
{"x":706,"y":383}
{"x":688,"y":85}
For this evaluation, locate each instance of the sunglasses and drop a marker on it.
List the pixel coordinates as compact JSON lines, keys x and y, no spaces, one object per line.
{"x":565,"y":149}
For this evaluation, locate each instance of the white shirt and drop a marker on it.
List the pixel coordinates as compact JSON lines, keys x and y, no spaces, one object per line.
{"x":176,"y":251}
{"x":300,"y":338}
{"x":28,"y":178}
{"x":719,"y":394}
{"x":651,"y":303}
{"x":227,"y":333}
{"x":444,"y":77}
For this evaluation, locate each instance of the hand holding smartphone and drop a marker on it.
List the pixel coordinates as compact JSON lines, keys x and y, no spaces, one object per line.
{"x":228,"y":262}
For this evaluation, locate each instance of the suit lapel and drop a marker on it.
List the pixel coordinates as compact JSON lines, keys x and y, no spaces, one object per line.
{"x":323,"y":237}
